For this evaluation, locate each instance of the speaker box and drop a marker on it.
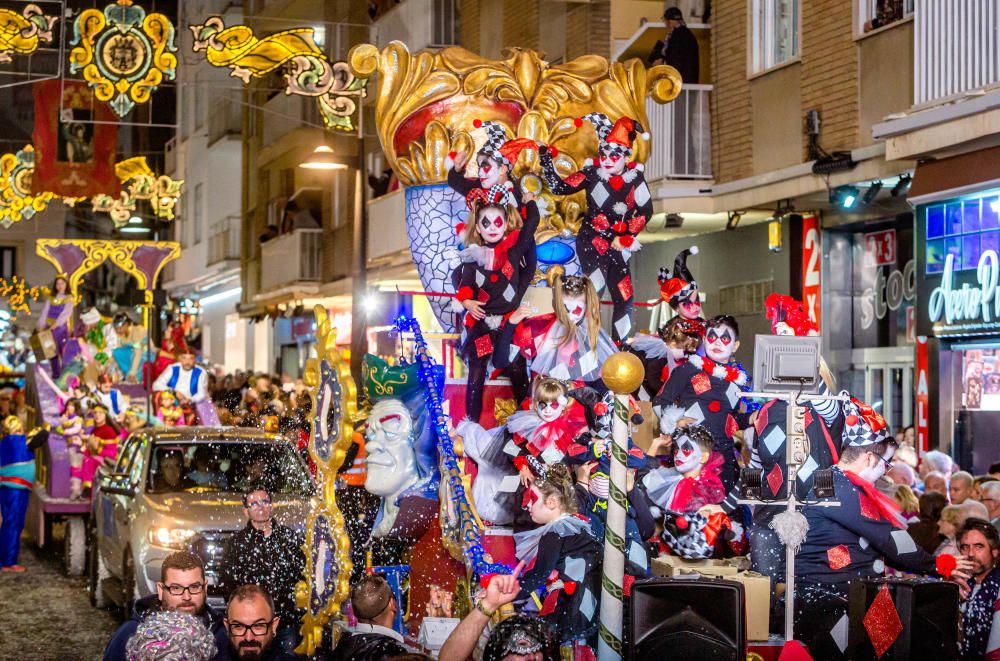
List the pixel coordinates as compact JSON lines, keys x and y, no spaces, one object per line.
{"x":687,"y":618}
{"x":927,"y":609}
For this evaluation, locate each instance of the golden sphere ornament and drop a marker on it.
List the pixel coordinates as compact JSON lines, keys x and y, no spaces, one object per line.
{"x":623,"y":372}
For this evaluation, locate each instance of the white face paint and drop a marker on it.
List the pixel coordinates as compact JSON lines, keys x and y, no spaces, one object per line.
{"x":492,"y":224}
{"x":549,"y":411}
{"x":720,"y":343}
{"x":490,"y":172}
{"x":611,"y":162}
{"x":576,"y":308}
{"x":392,"y":463}
{"x":877,"y":466}
{"x":687,"y":457}
{"x":691,"y":307}
{"x":677,"y":354}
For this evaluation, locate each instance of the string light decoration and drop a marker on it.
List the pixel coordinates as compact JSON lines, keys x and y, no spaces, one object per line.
{"x":124,"y":53}
{"x":23,"y":33}
{"x":17,"y":294}
{"x":307,"y":71}
{"x":139,"y":182}
{"x":17,"y":202}
{"x":477,"y":560}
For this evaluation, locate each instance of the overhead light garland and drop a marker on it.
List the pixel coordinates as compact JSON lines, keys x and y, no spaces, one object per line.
{"x":139,"y":182}
{"x":23,"y":33}
{"x":16,"y":293}
{"x":17,"y":202}
{"x":308,"y":72}
{"x":124,"y":53}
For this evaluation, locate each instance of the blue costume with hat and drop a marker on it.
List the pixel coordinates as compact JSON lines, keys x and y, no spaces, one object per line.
{"x":17,"y":476}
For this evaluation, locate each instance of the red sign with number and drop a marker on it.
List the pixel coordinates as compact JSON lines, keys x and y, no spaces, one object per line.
{"x":922,"y":399}
{"x":811,"y":260}
{"x":880,"y":248}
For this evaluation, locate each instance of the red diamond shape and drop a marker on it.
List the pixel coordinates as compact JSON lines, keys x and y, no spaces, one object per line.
{"x":868,"y":508}
{"x":507,"y":270}
{"x":838,"y":557}
{"x":761,"y":423}
{"x":484,"y":345}
{"x":601,"y":222}
{"x":775,"y":479}
{"x":636,"y":224}
{"x":731,"y":426}
{"x":575,"y":179}
{"x":625,"y":287}
{"x":882,"y":622}
{"x":601,"y":245}
{"x":700,"y":383}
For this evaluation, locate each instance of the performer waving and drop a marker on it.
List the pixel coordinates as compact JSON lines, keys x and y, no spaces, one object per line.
{"x":618,"y":207}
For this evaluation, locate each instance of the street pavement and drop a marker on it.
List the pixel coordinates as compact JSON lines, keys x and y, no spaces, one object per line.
{"x":46,"y":615}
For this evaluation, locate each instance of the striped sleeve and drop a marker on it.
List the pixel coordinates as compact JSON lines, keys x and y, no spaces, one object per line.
{"x":828,"y":409}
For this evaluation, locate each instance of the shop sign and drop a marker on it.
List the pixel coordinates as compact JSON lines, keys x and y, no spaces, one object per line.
{"x":880,"y":248}
{"x":811,"y":255}
{"x":922,"y":399}
{"x":889,"y":292}
{"x":977,"y":302}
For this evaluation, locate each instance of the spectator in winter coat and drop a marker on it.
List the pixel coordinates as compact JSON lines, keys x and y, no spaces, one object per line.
{"x":679,"y":49}
{"x":267,"y":554}
{"x":373,"y":639}
{"x":978,"y":542}
{"x":182,"y":587}
{"x":253,"y":626}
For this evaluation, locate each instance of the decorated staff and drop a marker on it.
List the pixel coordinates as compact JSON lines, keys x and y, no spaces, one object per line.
{"x":622,"y":373}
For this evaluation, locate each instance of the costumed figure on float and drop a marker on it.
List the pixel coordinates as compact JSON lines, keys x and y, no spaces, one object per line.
{"x":17,"y":475}
{"x":71,"y":428}
{"x":57,"y":318}
{"x":101,"y":443}
{"x":128,"y":355}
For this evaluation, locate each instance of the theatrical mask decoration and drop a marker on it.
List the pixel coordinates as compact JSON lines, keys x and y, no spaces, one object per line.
{"x":328,"y":560}
{"x":124,"y":53}
{"x":23,"y":33}
{"x":17,"y":202}
{"x":306,"y":69}
{"x":139,"y":182}
{"x":425,"y":110}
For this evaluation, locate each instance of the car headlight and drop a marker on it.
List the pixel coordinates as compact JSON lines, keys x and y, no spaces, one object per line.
{"x":171,"y":538}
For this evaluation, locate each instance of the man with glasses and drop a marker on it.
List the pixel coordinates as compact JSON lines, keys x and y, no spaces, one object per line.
{"x":373,"y":638}
{"x":268,"y":554}
{"x":979,"y":543}
{"x":252,"y":625}
{"x":182,"y":587}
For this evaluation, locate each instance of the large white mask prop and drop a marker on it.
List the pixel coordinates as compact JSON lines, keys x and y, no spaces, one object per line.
{"x":492,"y":224}
{"x":576,"y":308}
{"x":549,"y":411}
{"x":392,"y":462}
{"x":721,"y":343}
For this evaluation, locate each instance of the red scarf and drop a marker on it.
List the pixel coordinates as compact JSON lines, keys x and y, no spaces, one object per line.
{"x":886,"y":506}
{"x":693,"y":493}
{"x":560,"y":432}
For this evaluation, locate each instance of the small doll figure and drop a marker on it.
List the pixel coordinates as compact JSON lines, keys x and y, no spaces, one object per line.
{"x":680,"y":290}
{"x":488,"y":281}
{"x":618,"y":207}
{"x":168,"y":410}
{"x":567,"y":344}
{"x":71,"y":428}
{"x":564,"y":564}
{"x":662,"y":353}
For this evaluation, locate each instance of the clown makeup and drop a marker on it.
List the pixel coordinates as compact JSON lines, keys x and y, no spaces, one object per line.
{"x":690,"y":308}
{"x":491,"y":222}
{"x":576,"y":307}
{"x":677,"y":352}
{"x":543,"y":510}
{"x":549,"y":411}
{"x":720,"y":343}
{"x":687,"y":456}
{"x":611,"y":160}
{"x":877,"y":465}
{"x":490,"y":172}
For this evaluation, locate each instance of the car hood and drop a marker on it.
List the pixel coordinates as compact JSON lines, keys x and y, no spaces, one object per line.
{"x":221,"y":511}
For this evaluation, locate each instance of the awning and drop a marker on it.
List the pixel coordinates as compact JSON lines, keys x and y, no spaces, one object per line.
{"x":955,"y":176}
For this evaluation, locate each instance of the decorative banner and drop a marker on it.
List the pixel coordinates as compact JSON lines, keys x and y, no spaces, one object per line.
{"x":76,"y":157}
{"x":124,"y":53}
{"x":140,"y":183}
{"x":308,"y":72}
{"x":143,"y":260}
{"x":17,"y":202}
{"x":811,"y":260}
{"x":23,"y":33}
{"x":922,"y":400}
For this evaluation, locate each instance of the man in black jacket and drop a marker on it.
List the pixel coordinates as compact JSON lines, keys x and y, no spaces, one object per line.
{"x":679,"y":49}
{"x":373,"y":639}
{"x":181,"y":588}
{"x":267,"y":554}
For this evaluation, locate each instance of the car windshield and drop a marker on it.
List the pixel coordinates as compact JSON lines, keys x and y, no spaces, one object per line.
{"x":229,"y":467}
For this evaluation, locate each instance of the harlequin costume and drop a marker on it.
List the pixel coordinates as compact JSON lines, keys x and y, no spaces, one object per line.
{"x":495,"y":281}
{"x":710,"y":394}
{"x":657,"y":362}
{"x":852,"y":540}
{"x":17,"y":476}
{"x":536,"y":444}
{"x":618,"y":207}
{"x":680,"y":286}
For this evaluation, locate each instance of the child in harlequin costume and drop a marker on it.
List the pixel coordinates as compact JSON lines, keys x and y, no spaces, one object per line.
{"x":17,"y":475}
{"x":487,"y":281}
{"x":170,"y":413}
{"x":564,"y":564}
{"x":854,"y":539}
{"x":57,"y":317}
{"x":102,"y":444}
{"x":71,"y":428}
{"x":618,"y":207}
{"x":680,"y":290}
{"x":567,"y":344}
{"x":707,"y":390}
{"x":662,"y":353}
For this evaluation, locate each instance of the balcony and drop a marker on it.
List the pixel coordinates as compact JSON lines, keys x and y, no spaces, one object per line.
{"x":284,"y":113}
{"x":420,"y":24}
{"x":955,"y":49}
{"x":682,"y":136}
{"x":290,"y":259}
{"x":388,"y":244}
{"x":225,"y":120}
{"x":224,"y":241}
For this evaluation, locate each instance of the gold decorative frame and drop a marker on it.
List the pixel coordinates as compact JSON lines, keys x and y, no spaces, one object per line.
{"x":96,"y":252}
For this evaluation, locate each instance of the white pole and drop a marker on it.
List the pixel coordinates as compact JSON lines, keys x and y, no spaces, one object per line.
{"x":609,"y":647}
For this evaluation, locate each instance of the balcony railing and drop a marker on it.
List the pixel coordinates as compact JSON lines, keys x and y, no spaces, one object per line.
{"x":225,"y":119}
{"x":291,"y":258}
{"x":419,"y":24}
{"x":682,"y":136}
{"x":955,"y":48}
{"x":224,"y":241}
{"x":284,"y":113}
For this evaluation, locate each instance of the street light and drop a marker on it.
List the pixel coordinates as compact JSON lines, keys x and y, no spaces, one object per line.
{"x":322,"y":158}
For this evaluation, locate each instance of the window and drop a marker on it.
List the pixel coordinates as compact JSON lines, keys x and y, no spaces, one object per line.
{"x":8,"y":262}
{"x":198,"y":218}
{"x":775,"y":33}
{"x":963,"y":228}
{"x":874,"y":14}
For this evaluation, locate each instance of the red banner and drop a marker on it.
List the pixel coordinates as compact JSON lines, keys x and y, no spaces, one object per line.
{"x":74,"y":154}
{"x":921,"y":401}
{"x":812,"y":255}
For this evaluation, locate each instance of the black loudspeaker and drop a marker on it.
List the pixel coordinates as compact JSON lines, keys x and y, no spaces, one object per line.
{"x":688,"y":618}
{"x":927,"y":609}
